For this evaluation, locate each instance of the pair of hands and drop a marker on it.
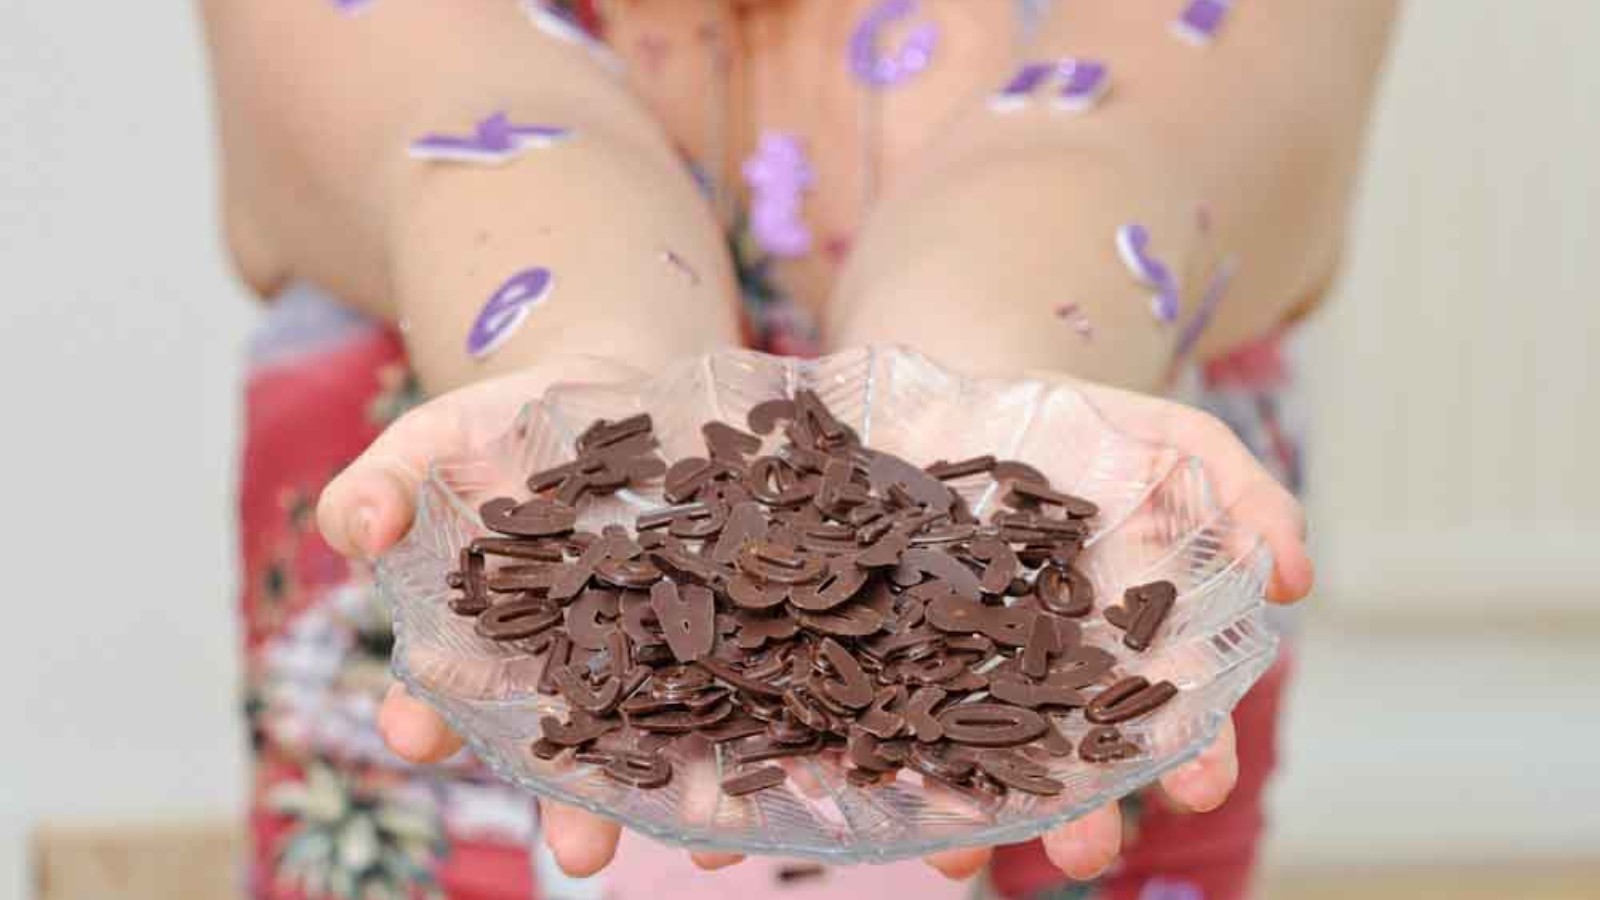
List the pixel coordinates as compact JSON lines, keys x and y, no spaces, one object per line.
{"x":369,"y":507}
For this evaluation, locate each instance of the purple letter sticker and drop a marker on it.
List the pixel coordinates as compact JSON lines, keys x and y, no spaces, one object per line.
{"x":506,"y":309}
{"x":879,"y":68}
{"x":494,"y":140}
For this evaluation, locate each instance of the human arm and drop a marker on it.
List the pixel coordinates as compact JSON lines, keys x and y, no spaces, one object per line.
{"x":1009,"y":217}
{"x":316,"y":111}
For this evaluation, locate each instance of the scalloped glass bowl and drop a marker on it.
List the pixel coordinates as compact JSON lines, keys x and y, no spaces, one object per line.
{"x":1158,"y":520}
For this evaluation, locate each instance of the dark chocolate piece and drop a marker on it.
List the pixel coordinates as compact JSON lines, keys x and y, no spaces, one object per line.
{"x":773,"y":563}
{"x":598,"y":699}
{"x":932,"y":669}
{"x":518,"y":548}
{"x":571,"y":579}
{"x":666,"y":515}
{"x":887,"y":472}
{"x":885,"y":550}
{"x":703,"y":521}
{"x":1065,"y":591}
{"x":761,"y":749}
{"x":728,"y":443}
{"x":729,"y":674}
{"x":1004,"y":625}
{"x":1054,"y":742}
{"x":603,"y":434}
{"x":746,"y":524}
{"x":686,"y":477}
{"x":967,"y":682}
{"x":1017,"y":471}
{"x":592,"y":618}
{"x":839,"y":583}
{"x":471,"y":581}
{"x":946,"y":471}
{"x":804,"y":708}
{"x":756,"y":629}
{"x":634,"y":574}
{"x":765,"y":416}
{"x":1144,"y":608}
{"x":919,"y":716}
{"x":944,"y":764}
{"x":1041,"y":643}
{"x":753,"y":780}
{"x":1002,"y":564}
{"x":636,"y":769}
{"x":687,"y":618}
{"x":1028,"y":491}
{"x":918,"y":562}
{"x":679,"y":681}
{"x":519,"y":578}
{"x":639,"y":621}
{"x":851,"y":620}
{"x":683,"y":566}
{"x":518,"y":620}
{"x":882,"y":719}
{"x":991,"y":724}
{"x":774,"y":483}
{"x":556,"y":658}
{"x":746,"y":593}
{"x":732,"y":729}
{"x":851,"y":687}
{"x":1081,"y":666}
{"x":1014,"y":770}
{"x":684,"y":720}
{"x":1106,"y":744}
{"x":1129,"y":698}
{"x":580,"y":728}
{"x":536,"y":518}
{"x":1034,"y":695}
{"x":862,"y":749}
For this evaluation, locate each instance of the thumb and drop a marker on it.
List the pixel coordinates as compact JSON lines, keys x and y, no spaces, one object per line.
{"x":366,"y":508}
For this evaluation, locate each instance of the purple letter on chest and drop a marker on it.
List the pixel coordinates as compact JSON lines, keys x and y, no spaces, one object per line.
{"x":1201,"y":20}
{"x":879,"y":68}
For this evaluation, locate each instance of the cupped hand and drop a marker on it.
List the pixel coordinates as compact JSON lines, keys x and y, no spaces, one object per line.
{"x":1085,"y":847}
{"x":369,"y":507}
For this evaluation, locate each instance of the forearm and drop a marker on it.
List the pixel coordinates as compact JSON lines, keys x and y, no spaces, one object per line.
{"x":638,"y":267}
{"x":977,"y":269}
{"x":638,"y":264}
{"x":1012,"y":218}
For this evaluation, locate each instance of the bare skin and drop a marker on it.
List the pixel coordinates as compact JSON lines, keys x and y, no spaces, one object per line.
{"x":979,"y":225}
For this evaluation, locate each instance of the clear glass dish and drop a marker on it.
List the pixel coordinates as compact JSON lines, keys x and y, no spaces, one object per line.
{"x":1158,"y":520}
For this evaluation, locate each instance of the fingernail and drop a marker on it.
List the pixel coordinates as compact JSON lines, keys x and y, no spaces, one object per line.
{"x":1091,"y":858}
{"x":362,"y":524}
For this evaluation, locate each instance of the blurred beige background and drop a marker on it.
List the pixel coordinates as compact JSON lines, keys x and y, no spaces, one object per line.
{"x":1444,"y":718}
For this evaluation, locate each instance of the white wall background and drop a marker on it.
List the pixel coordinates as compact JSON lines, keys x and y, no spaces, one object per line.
{"x":1456,"y":374}
{"x":121,"y":334}
{"x":120,"y":340}
{"x":1455,"y":503}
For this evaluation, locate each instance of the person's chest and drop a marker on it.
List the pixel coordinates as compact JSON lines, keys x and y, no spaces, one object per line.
{"x":860,"y":85}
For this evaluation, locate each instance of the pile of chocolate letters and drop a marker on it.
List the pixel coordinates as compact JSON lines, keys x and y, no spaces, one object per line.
{"x":826,"y":597}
